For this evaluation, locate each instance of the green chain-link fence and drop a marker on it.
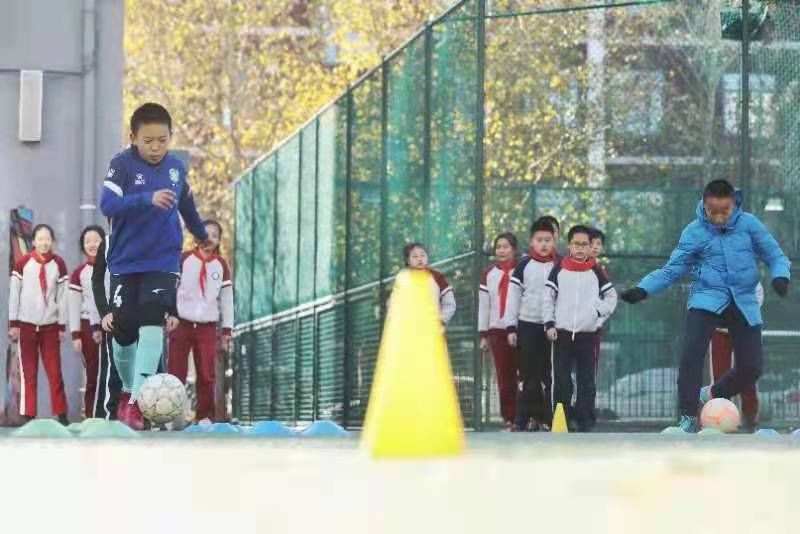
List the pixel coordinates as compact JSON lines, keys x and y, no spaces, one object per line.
{"x":493,"y":114}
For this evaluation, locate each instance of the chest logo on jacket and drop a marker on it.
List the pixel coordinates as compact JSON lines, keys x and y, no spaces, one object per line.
{"x":139,"y":179}
{"x":174,"y":176}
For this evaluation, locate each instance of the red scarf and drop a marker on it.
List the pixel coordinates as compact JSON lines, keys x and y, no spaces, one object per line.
{"x":204,"y":260}
{"x":43,"y":261}
{"x":506,"y":267}
{"x":542,"y":259}
{"x":571,"y":264}
{"x":90,"y":260}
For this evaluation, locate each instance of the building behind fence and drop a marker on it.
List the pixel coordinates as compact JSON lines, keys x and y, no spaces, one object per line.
{"x":492,"y":115}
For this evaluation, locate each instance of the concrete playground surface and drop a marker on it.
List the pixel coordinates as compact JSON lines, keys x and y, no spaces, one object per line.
{"x":172,"y":482}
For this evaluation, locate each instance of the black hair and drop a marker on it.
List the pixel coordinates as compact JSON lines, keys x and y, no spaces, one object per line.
{"x":552,"y":220}
{"x":409,"y":247}
{"x":596,"y":233}
{"x":44,"y":227}
{"x":719,"y":189}
{"x":91,"y":228}
{"x":542,"y":225}
{"x":150,"y":113}
{"x":508,"y":236}
{"x":579,"y":229}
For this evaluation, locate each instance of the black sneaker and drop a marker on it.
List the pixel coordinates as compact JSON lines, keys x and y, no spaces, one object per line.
{"x":63,"y":420}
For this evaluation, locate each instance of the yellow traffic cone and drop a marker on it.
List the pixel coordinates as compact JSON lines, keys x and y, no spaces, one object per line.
{"x":559,"y":420}
{"x":413,"y":406}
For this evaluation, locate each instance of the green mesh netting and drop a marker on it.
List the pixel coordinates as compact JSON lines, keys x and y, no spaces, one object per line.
{"x":612,"y":116}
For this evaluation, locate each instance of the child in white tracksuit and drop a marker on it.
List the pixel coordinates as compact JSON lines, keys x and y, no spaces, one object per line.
{"x":579,"y":299}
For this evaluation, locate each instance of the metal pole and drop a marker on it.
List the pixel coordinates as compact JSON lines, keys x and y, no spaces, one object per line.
{"x":348,"y":210}
{"x":746,"y":146}
{"x":315,"y":330}
{"x":251,"y":356}
{"x":273,"y":327}
{"x":426,"y":135}
{"x":384,"y":186}
{"x":297,"y":354}
{"x":478,"y":221}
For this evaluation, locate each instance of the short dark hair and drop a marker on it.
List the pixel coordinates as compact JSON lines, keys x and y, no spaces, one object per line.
{"x":552,"y":220}
{"x":508,"y":236}
{"x":91,"y":228}
{"x":579,"y":229}
{"x":150,"y":113}
{"x":409,"y":247}
{"x":542,"y":225}
{"x":719,"y":189}
{"x":44,"y":227}
{"x":596,"y":233}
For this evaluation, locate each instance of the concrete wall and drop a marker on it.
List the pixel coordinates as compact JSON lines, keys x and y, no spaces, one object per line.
{"x":78,"y":45}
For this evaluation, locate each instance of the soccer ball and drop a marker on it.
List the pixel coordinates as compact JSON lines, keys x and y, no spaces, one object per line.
{"x":161,"y":398}
{"x":721,"y":414}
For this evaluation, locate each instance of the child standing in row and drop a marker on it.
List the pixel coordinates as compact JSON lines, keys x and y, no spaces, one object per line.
{"x":598,"y":240}
{"x":205,"y":294}
{"x":493,"y":300}
{"x":416,"y":257}
{"x":524,"y":321}
{"x":37,"y":315}
{"x":578,"y":301}
{"x":84,"y":318}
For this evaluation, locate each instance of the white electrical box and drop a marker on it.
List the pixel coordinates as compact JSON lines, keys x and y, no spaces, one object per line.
{"x":30,"y":105}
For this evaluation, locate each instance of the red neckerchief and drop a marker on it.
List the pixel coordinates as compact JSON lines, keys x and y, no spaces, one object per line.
{"x":203,"y":261}
{"x":540,"y":258}
{"x":90,"y":260}
{"x":43,"y":261}
{"x":506,"y":267}
{"x":572,"y":265}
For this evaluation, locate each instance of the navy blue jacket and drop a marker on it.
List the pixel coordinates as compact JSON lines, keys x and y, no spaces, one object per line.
{"x":145,"y":238}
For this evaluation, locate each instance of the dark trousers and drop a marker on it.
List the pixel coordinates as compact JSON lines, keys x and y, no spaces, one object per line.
{"x":109,"y":384}
{"x":576,"y":352}
{"x":535,"y":372}
{"x":700,"y":326}
{"x":722,"y":360}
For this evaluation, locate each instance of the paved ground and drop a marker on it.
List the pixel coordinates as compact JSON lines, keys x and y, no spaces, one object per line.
{"x":598,"y":483}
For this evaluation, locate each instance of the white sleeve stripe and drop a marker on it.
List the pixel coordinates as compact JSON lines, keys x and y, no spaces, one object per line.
{"x":73,"y":287}
{"x":446,"y":290}
{"x":516,"y":282}
{"x":113,"y":187}
{"x":552,"y":285}
{"x":227,"y":283}
{"x":15,"y":273}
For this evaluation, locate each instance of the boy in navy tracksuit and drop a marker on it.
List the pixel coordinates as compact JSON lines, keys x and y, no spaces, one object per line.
{"x":144,"y":195}
{"x":578,"y":300}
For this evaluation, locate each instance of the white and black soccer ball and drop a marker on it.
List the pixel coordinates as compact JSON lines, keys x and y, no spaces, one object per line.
{"x":161,"y":398}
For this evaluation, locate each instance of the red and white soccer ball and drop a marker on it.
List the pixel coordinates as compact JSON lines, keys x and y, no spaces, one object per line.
{"x":721,"y":414}
{"x":161,"y":398}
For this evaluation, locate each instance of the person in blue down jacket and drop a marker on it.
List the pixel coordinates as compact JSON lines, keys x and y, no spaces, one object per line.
{"x":721,"y":249}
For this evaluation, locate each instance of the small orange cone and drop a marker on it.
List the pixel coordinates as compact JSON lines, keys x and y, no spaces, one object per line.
{"x":560,"y":420}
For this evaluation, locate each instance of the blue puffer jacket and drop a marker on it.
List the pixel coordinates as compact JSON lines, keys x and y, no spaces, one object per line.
{"x":723,"y":263}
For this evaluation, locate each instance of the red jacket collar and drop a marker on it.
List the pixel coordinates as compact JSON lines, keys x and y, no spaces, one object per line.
{"x":540,"y":258}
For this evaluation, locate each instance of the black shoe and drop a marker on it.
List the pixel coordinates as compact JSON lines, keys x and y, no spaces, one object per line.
{"x":63,"y":420}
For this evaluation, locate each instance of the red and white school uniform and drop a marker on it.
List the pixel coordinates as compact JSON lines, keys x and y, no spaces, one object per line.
{"x":205,"y":296}
{"x":495,"y":283}
{"x":443,"y":293}
{"x":37,"y":305}
{"x":84,"y":320}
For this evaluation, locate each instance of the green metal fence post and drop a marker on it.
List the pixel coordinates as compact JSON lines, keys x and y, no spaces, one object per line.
{"x":478,"y":215}
{"x":272,"y":336}
{"x":348,"y":338}
{"x":315,"y":365}
{"x":297,"y":355}
{"x":426,"y":134}
{"x":745,"y":144}
{"x":382,"y":274}
{"x":251,"y":349}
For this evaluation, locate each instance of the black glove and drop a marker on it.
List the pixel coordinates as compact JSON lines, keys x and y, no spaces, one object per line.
{"x":781,"y":286}
{"x":633,"y":295}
